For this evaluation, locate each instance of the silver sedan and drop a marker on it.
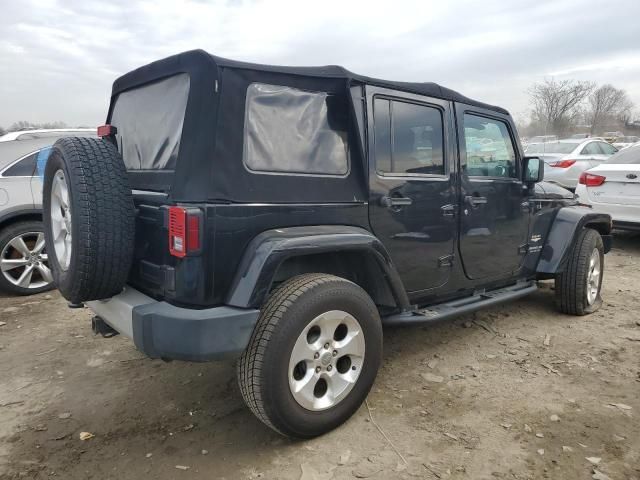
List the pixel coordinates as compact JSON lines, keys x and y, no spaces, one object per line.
{"x":565,"y":160}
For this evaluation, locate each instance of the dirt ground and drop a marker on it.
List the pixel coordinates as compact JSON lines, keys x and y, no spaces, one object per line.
{"x":514,"y":392}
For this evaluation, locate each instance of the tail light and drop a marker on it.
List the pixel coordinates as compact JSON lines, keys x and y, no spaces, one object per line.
{"x":591,"y":180}
{"x":106,"y":130}
{"x":562,"y":163}
{"x":184,"y":231}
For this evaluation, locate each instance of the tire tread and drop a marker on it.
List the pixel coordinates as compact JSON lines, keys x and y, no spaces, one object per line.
{"x":250,"y":364}
{"x":571,"y":283}
{"x":102,"y":203}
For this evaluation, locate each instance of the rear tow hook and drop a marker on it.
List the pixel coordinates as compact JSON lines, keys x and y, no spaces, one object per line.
{"x":100,"y":327}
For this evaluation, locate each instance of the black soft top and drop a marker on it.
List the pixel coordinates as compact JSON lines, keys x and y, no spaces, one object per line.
{"x":209,"y":163}
{"x":201,"y":60}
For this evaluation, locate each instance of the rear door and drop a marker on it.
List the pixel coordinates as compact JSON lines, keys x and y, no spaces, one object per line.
{"x":494,"y":202}
{"x":15,"y":183}
{"x":412,"y":184}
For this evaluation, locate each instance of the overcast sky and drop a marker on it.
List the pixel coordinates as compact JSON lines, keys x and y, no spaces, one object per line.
{"x":58,"y":58}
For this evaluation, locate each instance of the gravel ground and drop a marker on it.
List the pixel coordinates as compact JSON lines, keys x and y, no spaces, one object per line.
{"x":514,"y":392}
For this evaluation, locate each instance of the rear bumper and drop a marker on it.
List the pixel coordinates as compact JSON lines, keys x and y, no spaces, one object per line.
{"x":162,"y":330}
{"x":565,"y":177}
{"x":623,"y":216}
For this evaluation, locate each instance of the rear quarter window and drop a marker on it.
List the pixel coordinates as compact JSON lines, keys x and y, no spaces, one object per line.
{"x":293,"y":131}
{"x":22,"y":168}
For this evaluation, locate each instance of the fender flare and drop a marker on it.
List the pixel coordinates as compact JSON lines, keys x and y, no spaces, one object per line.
{"x":266,"y":252}
{"x":15,"y":214}
{"x":563,"y":235}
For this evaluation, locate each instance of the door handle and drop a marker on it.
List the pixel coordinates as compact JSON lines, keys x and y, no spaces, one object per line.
{"x":448,"y":210}
{"x":395,"y":201}
{"x":474,"y":202}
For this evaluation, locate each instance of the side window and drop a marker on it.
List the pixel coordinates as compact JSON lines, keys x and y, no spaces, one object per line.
{"x":287,"y":130}
{"x":607,"y":148}
{"x":489,"y":148}
{"x":24,"y":168}
{"x":591,"y":149}
{"x":382,"y":133}
{"x":408,"y":138}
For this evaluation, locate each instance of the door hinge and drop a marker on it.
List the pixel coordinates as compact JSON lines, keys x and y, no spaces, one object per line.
{"x":522,"y":249}
{"x":446,"y":261}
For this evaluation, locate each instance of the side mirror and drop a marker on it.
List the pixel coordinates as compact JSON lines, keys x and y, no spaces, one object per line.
{"x":532,"y":170}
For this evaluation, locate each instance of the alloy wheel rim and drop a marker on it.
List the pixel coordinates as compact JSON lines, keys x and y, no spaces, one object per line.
{"x":61,"y":219}
{"x":24,"y":261}
{"x":593,"y":278}
{"x":326,"y":360}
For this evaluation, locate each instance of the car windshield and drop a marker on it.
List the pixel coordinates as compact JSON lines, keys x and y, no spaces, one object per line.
{"x":627,"y":156}
{"x":552,"y":147}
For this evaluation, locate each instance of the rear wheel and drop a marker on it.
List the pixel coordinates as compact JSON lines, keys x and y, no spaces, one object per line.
{"x":578,"y":287}
{"x":24,"y":264}
{"x":313,"y":356}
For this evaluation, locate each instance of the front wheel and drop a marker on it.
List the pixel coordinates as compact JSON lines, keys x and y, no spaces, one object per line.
{"x":313,"y":355}
{"x":579,"y":286}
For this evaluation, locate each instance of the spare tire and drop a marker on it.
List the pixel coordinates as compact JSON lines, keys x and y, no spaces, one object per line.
{"x":89,"y":218}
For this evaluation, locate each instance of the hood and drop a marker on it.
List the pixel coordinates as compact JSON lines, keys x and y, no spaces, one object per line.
{"x":551,"y":191}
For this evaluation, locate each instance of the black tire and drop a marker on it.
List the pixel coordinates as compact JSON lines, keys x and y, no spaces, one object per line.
{"x":102,"y":218}
{"x":18,"y":229}
{"x":571,"y":284}
{"x":263,"y":369}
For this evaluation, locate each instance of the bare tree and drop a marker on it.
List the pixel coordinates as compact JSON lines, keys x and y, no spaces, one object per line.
{"x":608,"y":105}
{"x":558,"y":103}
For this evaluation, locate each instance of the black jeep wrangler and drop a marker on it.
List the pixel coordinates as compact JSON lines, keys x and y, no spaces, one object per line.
{"x":285,"y":215}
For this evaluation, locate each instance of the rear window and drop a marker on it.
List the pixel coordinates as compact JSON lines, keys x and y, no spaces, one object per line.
{"x":149,"y":122}
{"x":628,"y":155}
{"x":288,"y":130}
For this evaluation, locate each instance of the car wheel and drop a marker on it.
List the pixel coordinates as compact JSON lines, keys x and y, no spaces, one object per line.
{"x":313,"y":356}
{"x":579,"y":286}
{"x":89,"y":217}
{"x":24,"y":264}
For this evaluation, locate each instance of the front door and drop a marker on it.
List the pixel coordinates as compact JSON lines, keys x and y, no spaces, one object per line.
{"x":411,"y":184}
{"x":494,"y":202}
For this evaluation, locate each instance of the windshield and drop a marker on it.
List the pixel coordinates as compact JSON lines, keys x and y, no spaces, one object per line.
{"x":626,"y":156}
{"x":551,"y":147}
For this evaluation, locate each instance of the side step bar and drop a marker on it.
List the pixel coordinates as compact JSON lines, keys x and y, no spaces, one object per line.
{"x":460,"y":306}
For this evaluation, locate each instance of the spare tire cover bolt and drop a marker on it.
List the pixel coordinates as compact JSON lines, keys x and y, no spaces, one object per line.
{"x":329,"y":368}
{"x":318,"y":369}
{"x":335,"y":353}
{"x":326,"y":346}
{"x":316,"y":355}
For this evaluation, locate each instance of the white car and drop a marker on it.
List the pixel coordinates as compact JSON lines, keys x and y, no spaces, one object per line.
{"x":624,"y":142}
{"x":614,"y":188}
{"x":566,"y":159}
{"x":23,"y":259}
